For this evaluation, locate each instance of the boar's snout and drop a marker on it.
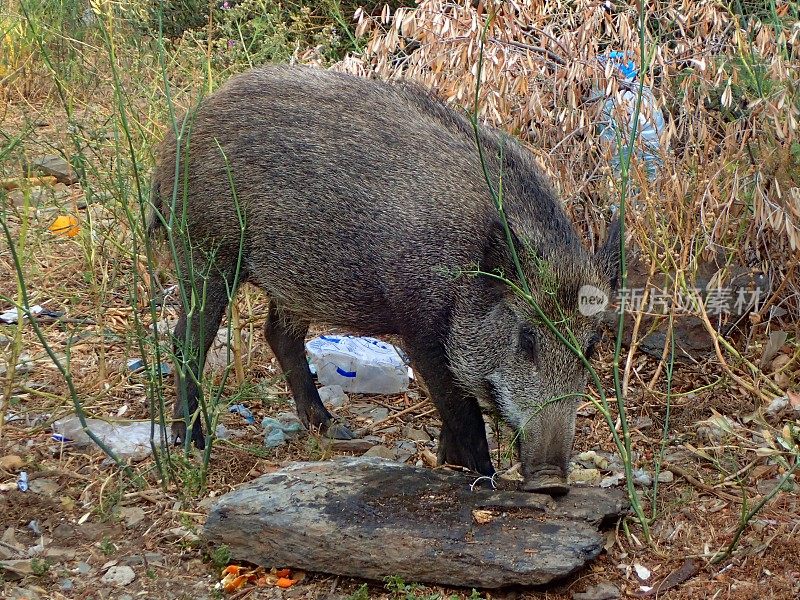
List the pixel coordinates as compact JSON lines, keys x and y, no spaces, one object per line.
{"x":546,"y":480}
{"x":545,"y":447}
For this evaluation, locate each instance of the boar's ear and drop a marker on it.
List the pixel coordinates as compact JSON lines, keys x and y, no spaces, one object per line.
{"x":607,"y":256}
{"x":496,"y":253}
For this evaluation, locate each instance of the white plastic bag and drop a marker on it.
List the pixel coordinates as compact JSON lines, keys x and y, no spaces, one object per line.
{"x":126,"y":440}
{"x":360,"y":365}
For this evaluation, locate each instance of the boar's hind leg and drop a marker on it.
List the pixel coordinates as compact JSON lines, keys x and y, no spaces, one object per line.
{"x":463,"y":438}
{"x":191,"y":335}
{"x":286,"y":337}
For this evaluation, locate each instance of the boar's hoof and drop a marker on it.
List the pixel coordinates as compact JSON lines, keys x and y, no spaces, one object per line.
{"x":179,"y":434}
{"x":338,"y":431}
{"x":546,"y":481}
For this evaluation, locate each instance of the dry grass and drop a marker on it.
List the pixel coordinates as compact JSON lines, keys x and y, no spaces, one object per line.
{"x":731,"y":180}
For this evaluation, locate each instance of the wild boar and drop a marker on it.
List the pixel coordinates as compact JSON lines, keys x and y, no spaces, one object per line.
{"x":363,"y":205}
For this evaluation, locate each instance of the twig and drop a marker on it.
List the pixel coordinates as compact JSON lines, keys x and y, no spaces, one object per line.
{"x":58,"y":473}
{"x":538,"y":49}
{"x":718,"y":558}
{"x":553,"y":39}
{"x":383,"y":421}
{"x":697,"y":483}
{"x":715,"y":339}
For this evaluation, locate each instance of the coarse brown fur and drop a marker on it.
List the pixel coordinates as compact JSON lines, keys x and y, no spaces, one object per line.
{"x":361,"y":204}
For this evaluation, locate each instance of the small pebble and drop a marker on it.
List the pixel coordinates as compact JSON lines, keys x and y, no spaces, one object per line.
{"x":119,"y":576}
{"x":83,"y":568}
{"x":381,"y":452}
{"x":666,"y":477}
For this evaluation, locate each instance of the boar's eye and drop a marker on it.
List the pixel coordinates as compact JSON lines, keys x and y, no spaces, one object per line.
{"x":528,"y":344}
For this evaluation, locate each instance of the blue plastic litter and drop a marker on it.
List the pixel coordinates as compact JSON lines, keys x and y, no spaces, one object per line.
{"x":61,"y":438}
{"x":626,"y":67}
{"x":243,"y":411}
{"x":22,"y":481}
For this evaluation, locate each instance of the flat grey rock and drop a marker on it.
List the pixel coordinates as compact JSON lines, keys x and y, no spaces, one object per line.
{"x":54,"y":165}
{"x":369,"y":518}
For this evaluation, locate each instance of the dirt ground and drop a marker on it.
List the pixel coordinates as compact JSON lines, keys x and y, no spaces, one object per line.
{"x":80,"y":516}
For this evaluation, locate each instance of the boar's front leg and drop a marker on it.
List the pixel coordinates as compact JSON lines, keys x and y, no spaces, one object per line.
{"x":463,"y":438}
{"x":193,"y":336}
{"x":286,"y":336}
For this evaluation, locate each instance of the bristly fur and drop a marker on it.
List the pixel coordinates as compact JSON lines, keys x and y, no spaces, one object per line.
{"x":358,"y":198}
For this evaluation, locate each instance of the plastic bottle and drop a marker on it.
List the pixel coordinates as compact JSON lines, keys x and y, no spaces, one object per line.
{"x":651,"y":120}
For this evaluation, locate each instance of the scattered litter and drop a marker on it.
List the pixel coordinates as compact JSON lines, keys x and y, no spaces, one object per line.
{"x":137,"y":365}
{"x":360,"y":365}
{"x":126,"y":440}
{"x":22,"y":481}
{"x":651,"y":121}
{"x":243,"y":411}
{"x":65,"y":226}
{"x":11,"y":316}
{"x":235,"y":578}
{"x":642,"y":572}
{"x":277,"y":431}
